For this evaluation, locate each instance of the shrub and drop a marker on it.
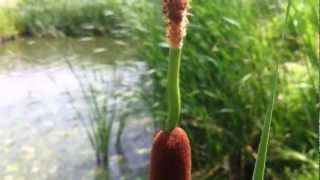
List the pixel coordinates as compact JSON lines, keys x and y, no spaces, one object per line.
{"x":7,"y":18}
{"x":73,"y":18}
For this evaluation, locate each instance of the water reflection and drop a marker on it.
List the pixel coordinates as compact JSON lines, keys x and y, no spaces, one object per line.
{"x":41,"y":136}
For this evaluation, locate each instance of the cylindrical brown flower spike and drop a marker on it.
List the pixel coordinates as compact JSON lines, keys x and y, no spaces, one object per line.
{"x":176,"y":13}
{"x":171,"y":156}
{"x":171,"y":151}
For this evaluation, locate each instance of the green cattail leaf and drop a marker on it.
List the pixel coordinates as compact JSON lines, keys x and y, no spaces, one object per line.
{"x":259,"y":168}
{"x":260,"y":164}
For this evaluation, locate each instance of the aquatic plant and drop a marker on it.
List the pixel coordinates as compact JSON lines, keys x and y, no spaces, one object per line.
{"x":99,"y":121}
{"x":171,"y":151}
{"x":107,"y":101}
{"x":227,"y":85}
{"x":260,"y":164}
{"x":171,"y":156}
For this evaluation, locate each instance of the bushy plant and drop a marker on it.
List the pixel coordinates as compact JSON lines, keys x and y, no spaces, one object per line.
{"x":73,"y":18}
{"x":7,"y":26}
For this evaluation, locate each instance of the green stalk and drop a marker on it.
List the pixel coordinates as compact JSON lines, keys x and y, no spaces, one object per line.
{"x":173,"y":89}
{"x":260,"y":165}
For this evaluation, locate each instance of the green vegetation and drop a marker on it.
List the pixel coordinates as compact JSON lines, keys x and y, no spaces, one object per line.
{"x":173,"y":89}
{"x":99,"y":125}
{"x":260,"y":164}
{"x":60,"y":17}
{"x":226,"y":73}
{"x":226,"y":78}
{"x":108,"y":102}
{"x":7,"y":19}
{"x":52,"y":17}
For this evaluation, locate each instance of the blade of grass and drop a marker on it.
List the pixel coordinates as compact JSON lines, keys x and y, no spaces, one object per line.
{"x":259,"y":168}
{"x":260,"y":164}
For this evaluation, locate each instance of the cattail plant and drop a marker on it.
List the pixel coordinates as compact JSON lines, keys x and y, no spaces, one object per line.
{"x":171,"y":151}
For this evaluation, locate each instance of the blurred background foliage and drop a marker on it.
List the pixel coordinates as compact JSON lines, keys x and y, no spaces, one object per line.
{"x":228,"y":60}
{"x":74,"y":17}
{"x":7,"y":19}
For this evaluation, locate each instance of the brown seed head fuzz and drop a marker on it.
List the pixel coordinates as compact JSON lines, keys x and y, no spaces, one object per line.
{"x":171,"y":156}
{"x":176,"y":13}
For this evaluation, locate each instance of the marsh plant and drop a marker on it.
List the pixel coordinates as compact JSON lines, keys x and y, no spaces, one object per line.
{"x":108,"y":103}
{"x":70,"y":17}
{"x":227,"y":74}
{"x":171,"y":151}
{"x":101,"y":114}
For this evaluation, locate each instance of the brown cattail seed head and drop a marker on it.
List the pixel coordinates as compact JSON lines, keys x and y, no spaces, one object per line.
{"x":176,"y":14}
{"x":171,"y":156}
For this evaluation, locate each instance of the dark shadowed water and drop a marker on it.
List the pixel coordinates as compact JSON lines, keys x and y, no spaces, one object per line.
{"x":40,"y":134}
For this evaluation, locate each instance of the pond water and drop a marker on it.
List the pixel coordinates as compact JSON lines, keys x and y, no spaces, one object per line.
{"x":41,"y":136}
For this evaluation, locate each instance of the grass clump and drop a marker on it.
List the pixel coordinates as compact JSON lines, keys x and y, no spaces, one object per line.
{"x":72,"y":18}
{"x":7,"y":19}
{"x":98,"y":122}
{"x":226,"y":83}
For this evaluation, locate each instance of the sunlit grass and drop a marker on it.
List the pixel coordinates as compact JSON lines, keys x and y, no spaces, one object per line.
{"x":7,"y":19}
{"x":73,"y":18}
{"x":8,"y":3}
{"x":260,"y":165}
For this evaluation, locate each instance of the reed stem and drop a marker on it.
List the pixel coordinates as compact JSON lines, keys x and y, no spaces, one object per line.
{"x":260,"y":165}
{"x":173,"y":89}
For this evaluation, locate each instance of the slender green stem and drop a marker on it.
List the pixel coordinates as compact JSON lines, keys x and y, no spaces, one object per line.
{"x":260,"y":164}
{"x":259,"y":168}
{"x":173,"y":90}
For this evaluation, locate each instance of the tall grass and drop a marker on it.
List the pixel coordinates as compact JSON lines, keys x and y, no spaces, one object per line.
{"x":104,"y":107}
{"x":56,"y":18}
{"x":7,"y":19}
{"x":72,"y":18}
{"x":101,"y":118}
{"x":226,"y":76}
{"x":260,"y":164}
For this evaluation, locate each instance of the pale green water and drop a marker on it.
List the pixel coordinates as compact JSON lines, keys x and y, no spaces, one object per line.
{"x":40,"y":136}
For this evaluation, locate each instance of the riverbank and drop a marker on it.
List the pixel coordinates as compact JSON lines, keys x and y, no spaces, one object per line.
{"x":69,"y":18}
{"x":4,"y":39}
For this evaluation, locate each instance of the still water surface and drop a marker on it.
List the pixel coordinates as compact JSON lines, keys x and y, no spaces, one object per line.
{"x":40,"y":135}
